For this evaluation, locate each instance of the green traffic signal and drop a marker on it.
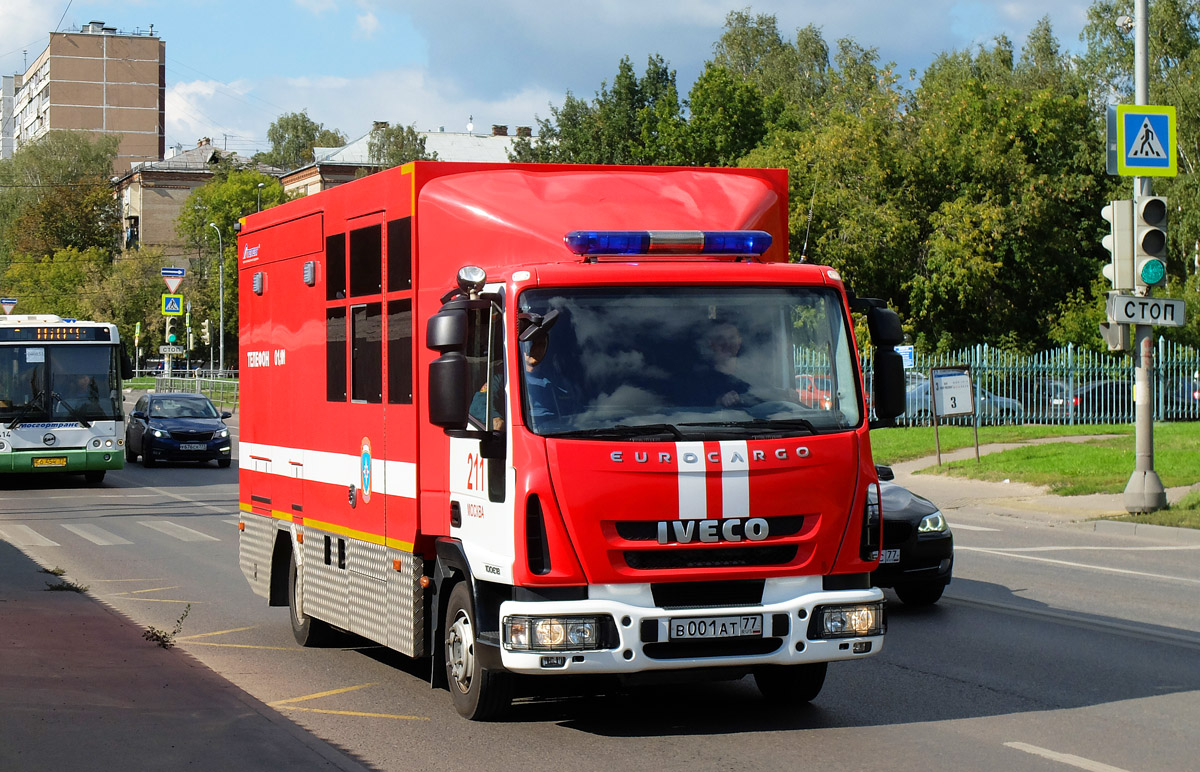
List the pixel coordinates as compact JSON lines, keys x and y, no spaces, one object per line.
{"x":1152,"y":272}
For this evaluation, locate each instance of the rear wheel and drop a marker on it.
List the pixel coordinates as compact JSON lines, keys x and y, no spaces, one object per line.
{"x":790,"y":684}
{"x":478,"y":693}
{"x":306,"y":630}
{"x":925,"y":594}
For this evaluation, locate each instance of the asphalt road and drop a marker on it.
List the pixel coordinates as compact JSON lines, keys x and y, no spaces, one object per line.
{"x":1055,"y":648}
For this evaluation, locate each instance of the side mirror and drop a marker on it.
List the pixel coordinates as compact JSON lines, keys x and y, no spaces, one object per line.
{"x":226,"y":414}
{"x":139,"y":414}
{"x":449,"y":400}
{"x":887,"y":378}
{"x":884,"y":472}
{"x":446,"y":330}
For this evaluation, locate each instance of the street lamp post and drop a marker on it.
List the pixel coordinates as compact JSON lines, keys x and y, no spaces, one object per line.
{"x":260,"y":187}
{"x":221,"y":289}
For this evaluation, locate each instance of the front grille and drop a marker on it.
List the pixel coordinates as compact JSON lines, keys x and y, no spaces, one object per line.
{"x":736,"y":647}
{"x":647,"y":530}
{"x":708,"y":594}
{"x":896,"y":532}
{"x":192,"y":436}
{"x":719,"y":557}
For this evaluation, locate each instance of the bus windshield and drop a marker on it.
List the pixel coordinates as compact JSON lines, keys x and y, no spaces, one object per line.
{"x":690,"y":362}
{"x":47,"y":382}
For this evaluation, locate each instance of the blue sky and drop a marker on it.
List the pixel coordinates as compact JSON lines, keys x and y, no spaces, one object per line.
{"x":233,"y":67}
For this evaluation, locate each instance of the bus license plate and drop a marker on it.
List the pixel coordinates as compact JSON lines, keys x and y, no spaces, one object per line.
{"x":716,"y":627}
{"x":192,"y":446}
{"x":50,"y":461}
{"x":889,"y":556}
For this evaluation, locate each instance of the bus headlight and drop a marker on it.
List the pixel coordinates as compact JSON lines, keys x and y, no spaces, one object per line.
{"x":850,"y":621}
{"x":551,"y":633}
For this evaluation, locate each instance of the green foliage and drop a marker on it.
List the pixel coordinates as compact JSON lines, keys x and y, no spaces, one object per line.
{"x":52,"y":284}
{"x":293,"y":137}
{"x":390,"y":146}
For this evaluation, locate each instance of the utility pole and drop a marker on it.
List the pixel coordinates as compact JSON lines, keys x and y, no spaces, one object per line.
{"x":1144,"y":492}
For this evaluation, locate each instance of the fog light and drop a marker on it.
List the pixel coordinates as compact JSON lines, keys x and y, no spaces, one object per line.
{"x":554,"y":661}
{"x":96,"y":443}
{"x":849,"y":621}
{"x":551,"y":633}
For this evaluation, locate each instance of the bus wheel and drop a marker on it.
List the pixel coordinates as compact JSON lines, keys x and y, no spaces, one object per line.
{"x":306,"y":630}
{"x":94,"y":476}
{"x":478,"y":694}
{"x":790,"y":684}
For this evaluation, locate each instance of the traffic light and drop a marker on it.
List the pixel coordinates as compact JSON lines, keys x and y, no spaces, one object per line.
{"x":1150,"y":241}
{"x":1120,"y":243}
{"x":169,"y":333}
{"x":206,"y":332}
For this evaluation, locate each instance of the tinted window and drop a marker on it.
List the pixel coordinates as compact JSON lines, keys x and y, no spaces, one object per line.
{"x":366,"y":252}
{"x":367,"y":375}
{"x":400,"y":352}
{"x":335,"y":355}
{"x":400,"y":254}
{"x":335,"y":264}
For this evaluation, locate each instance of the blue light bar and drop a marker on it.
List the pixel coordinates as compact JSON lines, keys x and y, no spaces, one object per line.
{"x":652,"y":243}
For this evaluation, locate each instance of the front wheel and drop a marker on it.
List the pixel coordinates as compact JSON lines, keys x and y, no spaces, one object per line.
{"x":306,"y":630}
{"x":94,"y":476}
{"x":478,"y":694}
{"x":224,"y":462}
{"x":790,"y":684}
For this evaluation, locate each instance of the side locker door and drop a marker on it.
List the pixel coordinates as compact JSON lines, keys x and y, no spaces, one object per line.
{"x":482,"y":506}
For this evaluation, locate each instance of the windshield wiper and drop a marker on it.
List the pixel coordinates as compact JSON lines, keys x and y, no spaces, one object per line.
{"x":76,"y":413}
{"x":623,"y":431}
{"x":766,"y":424}
{"x":27,"y":410}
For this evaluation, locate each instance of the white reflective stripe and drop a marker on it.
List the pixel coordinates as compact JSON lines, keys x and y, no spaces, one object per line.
{"x":177,"y":531}
{"x":735,"y":479}
{"x":24,"y":536}
{"x":395,"y":478}
{"x":693,"y":488}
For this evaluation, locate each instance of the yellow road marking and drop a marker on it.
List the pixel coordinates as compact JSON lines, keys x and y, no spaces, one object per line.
{"x":124,"y":596}
{"x":357,"y":713}
{"x":318,"y":695}
{"x":219,"y":632}
{"x":155,"y":589}
{"x":240,"y":645}
{"x":127,"y":580}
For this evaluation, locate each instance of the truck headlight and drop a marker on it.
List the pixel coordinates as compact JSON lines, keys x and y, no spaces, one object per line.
{"x":551,"y":633}
{"x":851,"y":621}
{"x":934,"y":523}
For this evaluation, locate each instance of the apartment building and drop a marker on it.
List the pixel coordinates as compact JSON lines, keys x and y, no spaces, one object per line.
{"x":96,"y":80}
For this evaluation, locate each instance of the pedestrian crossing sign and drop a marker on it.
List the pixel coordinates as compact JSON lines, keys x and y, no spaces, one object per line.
{"x":172,"y":305}
{"x":1146,"y":145}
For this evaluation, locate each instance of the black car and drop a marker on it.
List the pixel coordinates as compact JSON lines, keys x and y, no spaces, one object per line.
{"x":177,"y":427}
{"x":917,"y":554}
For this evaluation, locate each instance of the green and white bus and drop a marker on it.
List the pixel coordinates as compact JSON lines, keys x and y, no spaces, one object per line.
{"x":60,"y":396}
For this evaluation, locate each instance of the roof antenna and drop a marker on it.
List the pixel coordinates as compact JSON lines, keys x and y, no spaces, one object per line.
{"x":808,"y":227}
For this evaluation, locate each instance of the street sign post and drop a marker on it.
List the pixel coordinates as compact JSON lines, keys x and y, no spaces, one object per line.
{"x":8,"y":304}
{"x":173,"y":277}
{"x":172,"y":305}
{"x":1159,"y":312}
{"x":170,"y":349}
{"x":1146,"y":142}
{"x":951,"y":394}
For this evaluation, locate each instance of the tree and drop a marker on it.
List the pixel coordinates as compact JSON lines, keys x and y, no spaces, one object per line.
{"x":638,"y":121}
{"x":293,"y":137}
{"x":52,"y":284}
{"x":390,"y":146}
{"x":726,"y":118}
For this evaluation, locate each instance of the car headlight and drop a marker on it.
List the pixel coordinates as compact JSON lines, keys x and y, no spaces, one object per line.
{"x":934,"y":523}
{"x":158,"y":433}
{"x":551,"y":633}
{"x":852,"y":621}
{"x":222,"y":434}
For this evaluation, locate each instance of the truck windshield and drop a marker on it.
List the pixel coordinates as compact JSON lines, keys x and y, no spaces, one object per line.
{"x":687,"y":362}
{"x":59,"y":382}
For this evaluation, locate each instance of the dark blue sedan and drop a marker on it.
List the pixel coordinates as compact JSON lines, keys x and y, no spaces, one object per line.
{"x":177,"y":427}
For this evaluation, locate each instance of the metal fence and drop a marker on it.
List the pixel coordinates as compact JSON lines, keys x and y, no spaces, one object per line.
{"x":222,"y":391}
{"x":1068,"y":385}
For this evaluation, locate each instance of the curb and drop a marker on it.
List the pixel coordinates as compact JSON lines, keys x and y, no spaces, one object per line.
{"x":1148,"y":531}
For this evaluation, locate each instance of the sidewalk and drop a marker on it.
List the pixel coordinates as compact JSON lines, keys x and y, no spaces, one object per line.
{"x":81,"y":689}
{"x":1021,"y":500}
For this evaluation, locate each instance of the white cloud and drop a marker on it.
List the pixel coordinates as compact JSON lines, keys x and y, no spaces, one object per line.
{"x":368,"y":25}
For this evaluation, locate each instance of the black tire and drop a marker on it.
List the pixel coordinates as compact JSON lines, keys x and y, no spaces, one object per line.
{"x":478,"y":694}
{"x":94,"y":476}
{"x":147,"y":460}
{"x":790,"y":684}
{"x":306,"y":630}
{"x":925,"y":594}
{"x":224,"y":462}
{"x":130,"y":456}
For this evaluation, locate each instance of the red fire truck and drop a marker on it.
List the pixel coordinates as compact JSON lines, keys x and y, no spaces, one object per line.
{"x":535,"y":420}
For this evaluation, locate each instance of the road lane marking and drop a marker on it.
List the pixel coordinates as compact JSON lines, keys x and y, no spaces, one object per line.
{"x":218,"y":632}
{"x":1072,"y":564}
{"x":1066,"y":548}
{"x":26,"y":537}
{"x":957,"y":526}
{"x":239,"y":645}
{"x":1064,"y":758}
{"x":152,"y":589}
{"x":219,"y":508}
{"x":181,"y":532}
{"x":96,"y":535}
{"x":289,"y":704}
